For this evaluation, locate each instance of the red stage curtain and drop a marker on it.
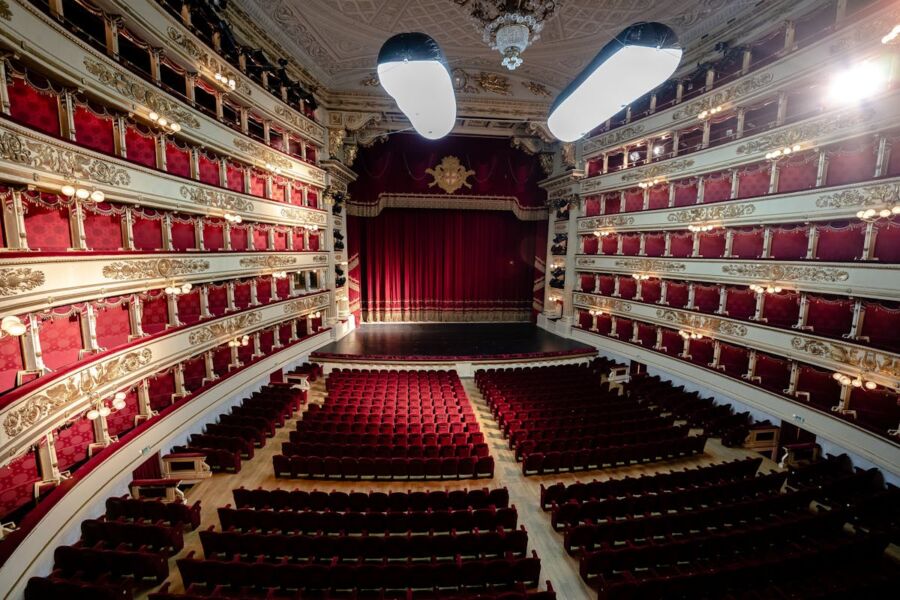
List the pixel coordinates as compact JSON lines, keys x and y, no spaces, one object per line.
{"x":147,"y":233}
{"x":782,"y":310}
{"x":113,"y":326}
{"x":446,"y":265}
{"x":682,"y":244}
{"x":261,"y":237}
{"x":183,"y":236}
{"x":155,"y":314}
{"x":592,"y":206}
{"x":824,"y":391}
{"x":140,"y":145}
{"x":677,"y":294}
{"x":774,"y":372}
{"x":754,"y":181}
{"x":178,"y":159}
{"x":631,"y":244}
{"x":686,"y":192}
{"x":242,"y":294}
{"x":72,"y":443}
{"x":634,"y":200}
{"x":61,"y":341}
{"x":747,"y":243}
{"x":740,"y":304}
{"x":234,"y":176}
{"x":35,"y":108}
{"x":10,"y":362}
{"x":213,"y":235}
{"x":789,"y":243}
{"x":607,"y":284}
{"x":830,"y":317}
{"x":120,"y":421}
{"x":798,"y":172}
{"x":162,"y":386}
{"x":17,"y":481}
{"x":734,"y":359}
{"x":702,"y":351}
{"x":659,"y":197}
{"x":712,"y":244}
{"x":717,"y":187}
{"x":654,"y":244}
{"x":218,"y":300}
{"x":841,"y":243}
{"x":591,"y":244}
{"x":239,"y":238}
{"x":627,"y":287}
{"x":887,"y":239}
{"x":672,"y":343}
{"x":706,"y":298}
{"x":881,"y":324}
{"x":103,"y":231}
{"x":650,"y":290}
{"x":264,"y":290}
{"x":257,"y":183}
{"x":587,"y":282}
{"x":851,"y":161}
{"x":46,"y":227}
{"x":189,"y":307}
{"x":93,"y":130}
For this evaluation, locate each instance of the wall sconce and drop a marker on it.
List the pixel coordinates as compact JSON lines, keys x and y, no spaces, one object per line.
{"x":101,"y":409}
{"x":73,"y":189}
{"x":871,"y":215}
{"x":857,"y":382}
{"x":279,"y":275}
{"x":604,"y":232}
{"x":13,"y":326}
{"x":163,"y":122}
{"x":705,"y":114}
{"x":233,"y":218}
{"x":225,"y":80}
{"x":701,"y":228}
{"x":782,"y":152}
{"x":177,"y":290}
{"x":650,"y":183}
{"x":640,"y":276}
{"x":310,"y":227}
{"x":766,"y":289}
{"x":690,"y":335}
{"x":238,"y":342}
{"x":595,"y":312}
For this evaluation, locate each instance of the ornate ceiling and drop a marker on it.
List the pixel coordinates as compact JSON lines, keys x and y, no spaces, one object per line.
{"x":338,"y":40}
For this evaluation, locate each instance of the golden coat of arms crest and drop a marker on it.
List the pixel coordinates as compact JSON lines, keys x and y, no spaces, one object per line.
{"x":450,"y":175}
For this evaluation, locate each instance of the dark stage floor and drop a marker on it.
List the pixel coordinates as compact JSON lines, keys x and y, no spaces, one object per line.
{"x":451,"y":340}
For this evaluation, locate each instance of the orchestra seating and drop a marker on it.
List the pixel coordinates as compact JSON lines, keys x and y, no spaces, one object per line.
{"x":388,"y":425}
{"x":560,"y":419}
{"x":283,"y":544}
{"x":725,"y":530}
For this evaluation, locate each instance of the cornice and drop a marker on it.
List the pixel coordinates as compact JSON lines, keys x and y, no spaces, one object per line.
{"x":878,"y":450}
{"x":60,"y":398}
{"x":821,"y":204}
{"x":28,"y":158}
{"x":78,"y":64}
{"x":859,"y":38}
{"x":447,"y":201}
{"x":882,"y":367}
{"x":39,"y":282}
{"x":882,"y":113}
{"x":868,"y":280}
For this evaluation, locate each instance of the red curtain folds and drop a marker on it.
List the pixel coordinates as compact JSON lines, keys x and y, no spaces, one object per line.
{"x":445,"y":265}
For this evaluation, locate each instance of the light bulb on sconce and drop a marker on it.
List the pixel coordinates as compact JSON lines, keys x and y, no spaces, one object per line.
{"x":13,"y":326}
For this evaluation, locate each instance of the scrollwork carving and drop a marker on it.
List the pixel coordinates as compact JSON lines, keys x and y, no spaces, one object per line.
{"x":609,"y":304}
{"x":787,"y":273}
{"x":39,"y":155}
{"x":649,"y":264}
{"x":660,"y":170}
{"x":711,"y":213}
{"x":269,"y":262}
{"x":702,"y":323}
{"x":614,"y":137}
{"x":612,"y":221}
{"x":806,"y":132}
{"x":216,"y":199}
{"x":18,"y":280}
{"x":154,"y":268}
{"x":876,"y":195}
{"x":305,"y":304}
{"x":867,"y":361}
{"x":304,"y":216}
{"x":728,"y":94}
{"x":224,"y":329}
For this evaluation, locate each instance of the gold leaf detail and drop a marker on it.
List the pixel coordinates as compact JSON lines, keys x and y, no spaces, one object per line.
{"x":858,"y":197}
{"x":269,"y":262}
{"x":609,"y":304}
{"x":216,"y":199}
{"x":786,"y":273}
{"x":305,"y":304}
{"x":154,"y":268}
{"x":260,"y":153}
{"x":706,"y":213}
{"x":868,"y":361}
{"x":450,"y":175}
{"x":806,"y":132}
{"x":613,"y":137}
{"x":224,"y":329}
{"x":647,"y":264}
{"x":612,"y":221}
{"x":39,"y":155}
{"x":659,"y":170}
{"x":727,"y":94}
{"x":18,"y":280}
{"x":702,"y":323}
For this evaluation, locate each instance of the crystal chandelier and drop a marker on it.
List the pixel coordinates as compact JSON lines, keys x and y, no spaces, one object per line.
{"x":511,"y":25}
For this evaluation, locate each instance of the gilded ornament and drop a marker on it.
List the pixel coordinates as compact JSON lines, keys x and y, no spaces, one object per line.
{"x":867,"y":361}
{"x":370,"y":81}
{"x":18,"y":280}
{"x":67,"y":163}
{"x":496,"y":84}
{"x":658,"y":170}
{"x":708,"y":213}
{"x":269,"y":262}
{"x":304,"y":216}
{"x":875,"y":195}
{"x":538,"y":89}
{"x":301,"y":123}
{"x":612,"y":221}
{"x":141,"y":93}
{"x":650,"y":264}
{"x":806,"y":132}
{"x":786,"y":273}
{"x":5,"y":13}
{"x":728,"y":94}
{"x":226,"y":328}
{"x":73,"y":388}
{"x":305,"y":304}
{"x":260,"y":153}
{"x":613,"y":137}
{"x":216,"y":199}
{"x":154,"y":268}
{"x":205,"y":59}
{"x":609,"y":304}
{"x":450,"y":175}
{"x":702,"y":323}
{"x":546,"y":162}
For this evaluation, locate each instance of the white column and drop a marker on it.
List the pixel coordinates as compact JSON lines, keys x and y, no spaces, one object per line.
{"x":143,"y":401}
{"x":760,"y":307}
{"x":14,"y":219}
{"x":691,"y":293}
{"x":172,"y":305}
{"x":178,"y":374}
{"x":813,"y":244}
{"x":32,"y":358}
{"x":229,"y":297}
{"x":76,"y":226}
{"x":254,"y":300}
{"x":803,"y":313}
{"x":859,"y":312}
{"x":128,"y":229}
{"x":88,"y":321}
{"x":767,"y":242}
{"x":204,"y":303}
{"x":135,"y":315}
{"x":663,"y":292}
{"x":209,"y":367}
{"x":723,"y":299}
{"x":729,"y":243}
{"x":167,"y":232}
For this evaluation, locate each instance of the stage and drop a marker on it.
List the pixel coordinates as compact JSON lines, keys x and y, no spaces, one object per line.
{"x":450,"y":344}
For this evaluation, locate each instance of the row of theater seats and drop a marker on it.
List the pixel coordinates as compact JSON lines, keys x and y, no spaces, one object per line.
{"x":371,"y":501}
{"x":125,"y":550}
{"x":198,"y":591}
{"x":718,"y":531}
{"x":559,"y":419}
{"x":388,"y":425}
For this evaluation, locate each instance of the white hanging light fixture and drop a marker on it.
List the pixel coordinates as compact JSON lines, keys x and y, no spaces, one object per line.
{"x":637,"y":60}
{"x":413,"y":70}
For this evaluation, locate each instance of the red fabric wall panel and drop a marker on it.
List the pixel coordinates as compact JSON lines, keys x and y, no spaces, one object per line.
{"x":659,"y":197}
{"x":178,"y":160}
{"x":712,"y":244}
{"x":734,"y":359}
{"x":841,"y":243}
{"x":613,"y":203}
{"x":824,"y":391}
{"x":155,"y":315}
{"x":221,"y":360}
{"x":113,"y":326}
{"x":775,"y":373}
{"x":120,"y":421}
{"x":257,"y":183}
{"x":10,"y":362}
{"x":61,"y":341}
{"x":686,"y":192}
{"x":162,"y":387}
{"x":72,"y":443}
{"x":183,"y":236}
{"x":280,"y":240}
{"x":634,"y":200}
{"x":875,"y":409}
{"x":624,"y":329}
{"x":851,"y":162}
{"x":647,"y":335}
{"x":283,"y":287}
{"x":881,"y":325}
{"x":627,"y":287}
{"x":298,"y":239}
{"x":312,"y":196}
{"x":672,"y":343}
{"x":218,"y":300}
{"x":264,"y":290}
{"x":747,"y":243}
{"x":677,"y":294}
{"x":650,"y":290}
{"x":587,"y":282}
{"x":654,"y":244}
{"x":592,"y":206}
{"x":147,"y":233}
{"x":789,"y":243}
{"x":887,"y":240}
{"x":682,"y":244}
{"x":631,"y":244}
{"x":238,"y":238}
{"x":194,"y":372}
{"x":782,"y":310}
{"x":585,"y":320}
{"x":702,"y":352}
{"x":189,"y":307}
{"x":17,"y":481}
{"x":234,"y":177}
{"x":706,"y":298}
{"x":297,"y":195}
{"x":830,"y":317}
{"x":284,"y":332}
{"x":607,"y":284}
{"x":604,"y":324}
{"x":35,"y":108}
{"x":93,"y":131}
{"x":279,"y":190}
{"x":266,"y":341}
{"x":260,"y":238}
{"x":798,"y":173}
{"x":717,"y":188}
{"x":213,"y":235}
{"x":754,"y":181}
{"x":140,"y":146}
{"x":740,"y":304}
{"x":208,"y":169}
{"x":103,"y":232}
{"x":591,"y":244}
{"x":47,"y":228}
{"x":313,"y":242}
{"x":242,"y":294}
{"x":609,"y":244}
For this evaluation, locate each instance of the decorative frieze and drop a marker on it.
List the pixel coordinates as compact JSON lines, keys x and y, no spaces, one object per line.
{"x":40,"y":155}
{"x":304,"y":216}
{"x":609,"y":304}
{"x":861,"y":197}
{"x":711,"y":213}
{"x":305,"y":304}
{"x":5,"y":13}
{"x":18,"y":280}
{"x":70,"y":390}
{"x":261,"y":153}
{"x":744,"y":87}
{"x":601,"y":222}
{"x":225,"y":329}
{"x":154,"y":268}
{"x":141,"y":93}
{"x":702,"y":322}
{"x":302,"y":124}
{"x":663,"y":169}
{"x":216,"y":199}
{"x":806,"y":132}
{"x":204,"y":58}
{"x":783,"y":273}
{"x":862,"y":360}
{"x":269,"y":262}
{"x":649,"y":264}
{"x":614,"y":137}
